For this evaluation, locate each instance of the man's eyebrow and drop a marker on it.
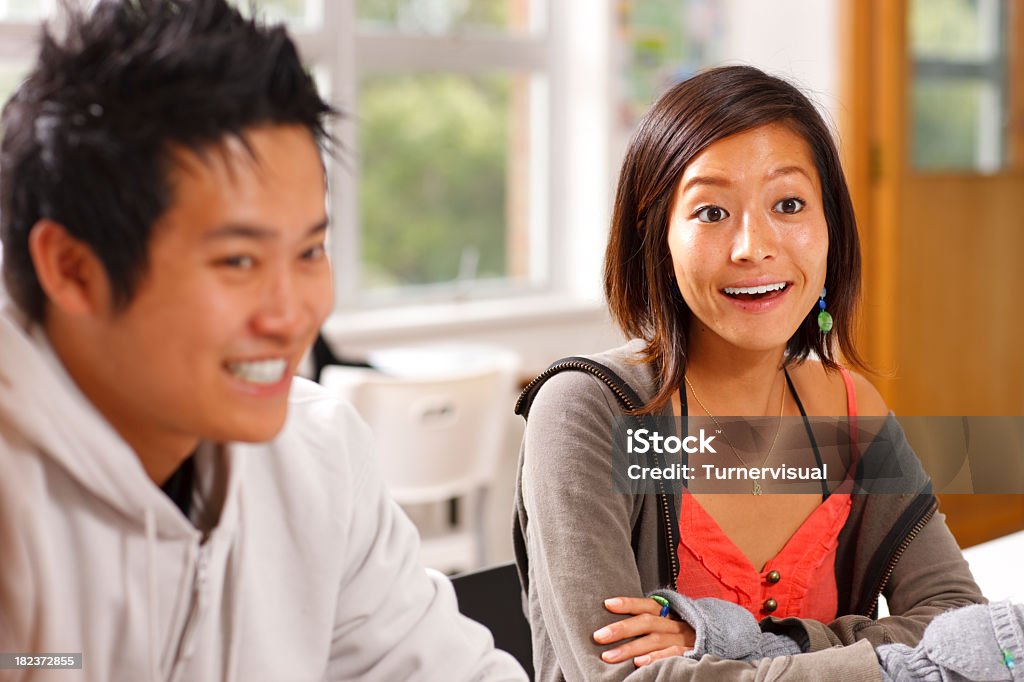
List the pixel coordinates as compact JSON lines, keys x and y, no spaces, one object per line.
{"x":237,"y":230}
{"x":319,"y":227}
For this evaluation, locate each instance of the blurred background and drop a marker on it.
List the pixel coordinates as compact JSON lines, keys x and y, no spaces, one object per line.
{"x":481,"y":141}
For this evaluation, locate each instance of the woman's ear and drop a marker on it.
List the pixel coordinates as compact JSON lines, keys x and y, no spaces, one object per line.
{"x":70,"y":274}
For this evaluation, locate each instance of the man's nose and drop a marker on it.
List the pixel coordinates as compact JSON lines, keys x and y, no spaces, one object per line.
{"x":282,"y":312}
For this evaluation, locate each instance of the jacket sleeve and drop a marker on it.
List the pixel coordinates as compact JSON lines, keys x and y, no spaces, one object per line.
{"x":973,"y":643}
{"x":394,"y":619}
{"x":578,"y":541}
{"x":931,"y":577}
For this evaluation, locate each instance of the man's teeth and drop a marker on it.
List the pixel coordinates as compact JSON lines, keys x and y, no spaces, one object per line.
{"x":260,"y":371}
{"x":763,"y":289}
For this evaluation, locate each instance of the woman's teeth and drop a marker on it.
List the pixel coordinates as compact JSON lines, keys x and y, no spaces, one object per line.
{"x":762,"y":289}
{"x":259,"y":371}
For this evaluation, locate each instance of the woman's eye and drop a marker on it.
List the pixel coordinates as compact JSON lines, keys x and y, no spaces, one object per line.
{"x":790,"y":206}
{"x":711,"y":214}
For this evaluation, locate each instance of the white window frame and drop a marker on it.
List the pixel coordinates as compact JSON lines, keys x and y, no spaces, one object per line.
{"x":575,"y":53}
{"x":576,"y":195}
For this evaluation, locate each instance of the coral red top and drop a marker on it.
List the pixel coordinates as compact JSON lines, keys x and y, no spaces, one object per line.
{"x":803,"y":571}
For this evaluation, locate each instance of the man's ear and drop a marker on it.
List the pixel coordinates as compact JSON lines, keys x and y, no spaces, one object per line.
{"x":73,"y":278}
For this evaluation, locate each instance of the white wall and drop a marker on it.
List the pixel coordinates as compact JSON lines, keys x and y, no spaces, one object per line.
{"x":539,"y":331}
{"x":795,"y":39}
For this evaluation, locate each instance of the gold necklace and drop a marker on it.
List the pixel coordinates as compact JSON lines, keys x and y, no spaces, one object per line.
{"x":756,"y":489}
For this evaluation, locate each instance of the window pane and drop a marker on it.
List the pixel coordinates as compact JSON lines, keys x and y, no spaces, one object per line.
{"x":446,"y":16}
{"x":954,"y":29}
{"x":297,"y":13}
{"x":443,"y":189}
{"x":959,"y":93}
{"x":666,"y":41}
{"x":951,"y":125}
{"x":25,"y":10}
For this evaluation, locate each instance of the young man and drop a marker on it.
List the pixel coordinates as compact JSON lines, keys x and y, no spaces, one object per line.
{"x":173,"y":504}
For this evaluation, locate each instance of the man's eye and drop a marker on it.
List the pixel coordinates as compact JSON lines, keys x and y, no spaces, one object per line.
{"x":790,"y":205}
{"x":711,"y":214}
{"x":239,"y":262}
{"x":314,"y":253}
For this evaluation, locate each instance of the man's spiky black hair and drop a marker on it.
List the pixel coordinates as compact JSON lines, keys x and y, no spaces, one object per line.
{"x":87,"y":136}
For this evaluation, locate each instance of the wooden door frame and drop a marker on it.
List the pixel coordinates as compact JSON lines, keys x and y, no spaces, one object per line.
{"x":874,"y":137}
{"x":873,"y":145}
{"x":1016,"y":75}
{"x":873,"y":133}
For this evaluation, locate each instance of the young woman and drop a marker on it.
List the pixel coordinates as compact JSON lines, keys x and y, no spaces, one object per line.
{"x":733,"y":232}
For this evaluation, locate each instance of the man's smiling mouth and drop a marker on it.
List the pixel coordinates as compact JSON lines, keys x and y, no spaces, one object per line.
{"x":262,"y":372}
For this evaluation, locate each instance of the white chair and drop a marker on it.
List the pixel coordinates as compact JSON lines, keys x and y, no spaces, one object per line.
{"x":438,"y":438}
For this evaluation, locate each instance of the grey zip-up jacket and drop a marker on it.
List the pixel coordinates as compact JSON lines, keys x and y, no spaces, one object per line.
{"x":578,"y":543}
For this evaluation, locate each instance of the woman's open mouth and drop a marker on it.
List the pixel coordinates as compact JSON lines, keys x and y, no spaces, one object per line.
{"x":762,"y":292}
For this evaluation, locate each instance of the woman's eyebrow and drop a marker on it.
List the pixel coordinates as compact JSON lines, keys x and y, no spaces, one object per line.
{"x":723,"y":181}
{"x":786,"y":170}
{"x":709,"y":180}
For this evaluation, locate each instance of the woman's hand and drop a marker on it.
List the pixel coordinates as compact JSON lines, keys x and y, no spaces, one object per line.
{"x":656,"y":637}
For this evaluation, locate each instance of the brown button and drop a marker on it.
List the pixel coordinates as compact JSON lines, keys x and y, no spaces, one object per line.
{"x":774,"y":577}
{"x":770,"y":605}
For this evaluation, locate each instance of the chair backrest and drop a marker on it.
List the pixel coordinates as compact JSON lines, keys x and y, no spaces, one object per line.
{"x":436,"y":437}
{"x":493,"y":598}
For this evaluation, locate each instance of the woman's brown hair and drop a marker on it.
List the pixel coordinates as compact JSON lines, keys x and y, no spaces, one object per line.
{"x":639,"y":279}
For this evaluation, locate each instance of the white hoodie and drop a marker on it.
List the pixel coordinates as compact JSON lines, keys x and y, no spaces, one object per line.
{"x":311,"y":572}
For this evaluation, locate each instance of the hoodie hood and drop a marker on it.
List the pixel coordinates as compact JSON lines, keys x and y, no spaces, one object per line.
{"x":42,"y":405}
{"x":43,"y":411}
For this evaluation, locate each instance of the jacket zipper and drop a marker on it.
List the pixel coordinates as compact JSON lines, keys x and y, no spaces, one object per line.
{"x":891,"y":566}
{"x":573,"y":364}
{"x":186,"y":641}
{"x":624,"y":399}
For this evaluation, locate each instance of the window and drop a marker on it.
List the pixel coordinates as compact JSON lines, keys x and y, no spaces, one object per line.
{"x":441,"y":189}
{"x":661,"y":42}
{"x":665,"y":41}
{"x":451,"y":119}
{"x":440,"y":192}
{"x":959,"y":103}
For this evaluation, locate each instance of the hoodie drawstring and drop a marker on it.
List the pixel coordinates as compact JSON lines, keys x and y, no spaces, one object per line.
{"x":237,"y":569}
{"x":154,"y":655}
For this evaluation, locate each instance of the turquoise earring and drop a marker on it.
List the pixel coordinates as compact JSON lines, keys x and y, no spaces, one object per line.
{"x":824,"y":318}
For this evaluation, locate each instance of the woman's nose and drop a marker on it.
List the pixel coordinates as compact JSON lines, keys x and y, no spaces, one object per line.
{"x":755,"y":240}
